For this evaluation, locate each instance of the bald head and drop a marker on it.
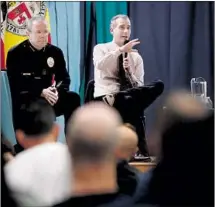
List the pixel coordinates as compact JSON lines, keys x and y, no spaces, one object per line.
{"x":95,"y":117}
{"x":127,"y":142}
{"x":91,"y":132}
{"x":183,"y":103}
{"x":180,"y":104}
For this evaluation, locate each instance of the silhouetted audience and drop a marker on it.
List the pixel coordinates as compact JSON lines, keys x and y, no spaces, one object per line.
{"x":127,"y":177}
{"x":92,"y":141}
{"x":93,"y":169}
{"x":7,"y":153}
{"x":185,"y":171}
{"x":7,"y":150}
{"x":40,"y":175}
{"x":6,"y":198}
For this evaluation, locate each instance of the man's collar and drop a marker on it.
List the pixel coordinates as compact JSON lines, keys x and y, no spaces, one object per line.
{"x":114,"y":43}
{"x":35,"y":49}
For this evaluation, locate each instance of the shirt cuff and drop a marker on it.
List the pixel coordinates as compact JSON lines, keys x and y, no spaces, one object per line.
{"x":138,"y":82}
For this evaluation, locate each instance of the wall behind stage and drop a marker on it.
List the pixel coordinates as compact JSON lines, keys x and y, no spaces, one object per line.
{"x":65,"y":33}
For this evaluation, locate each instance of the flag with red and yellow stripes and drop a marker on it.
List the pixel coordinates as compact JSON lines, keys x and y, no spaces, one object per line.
{"x":13,"y":26}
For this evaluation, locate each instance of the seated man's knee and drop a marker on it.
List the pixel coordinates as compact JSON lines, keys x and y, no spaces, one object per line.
{"x":159,"y":85}
{"x":125,"y":104}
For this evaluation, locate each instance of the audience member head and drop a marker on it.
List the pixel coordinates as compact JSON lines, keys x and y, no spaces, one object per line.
{"x":92,"y":133}
{"x":120,"y":28}
{"x":127,"y":142}
{"x":186,"y":132}
{"x":92,"y":139}
{"x":178,"y":105}
{"x":36,"y":125}
{"x":182,"y":110}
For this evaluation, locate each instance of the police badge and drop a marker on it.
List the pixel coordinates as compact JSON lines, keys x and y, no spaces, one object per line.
{"x":50,"y":62}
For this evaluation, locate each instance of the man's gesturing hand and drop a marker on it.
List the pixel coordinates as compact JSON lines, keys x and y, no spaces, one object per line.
{"x":50,"y":94}
{"x":129,"y":46}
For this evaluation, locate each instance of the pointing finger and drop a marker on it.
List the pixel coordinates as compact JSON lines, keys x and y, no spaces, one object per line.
{"x":135,"y":43}
{"x":134,"y":40}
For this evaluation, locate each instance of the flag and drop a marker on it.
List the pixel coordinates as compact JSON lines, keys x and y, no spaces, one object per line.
{"x":3,"y":13}
{"x":15,"y":23}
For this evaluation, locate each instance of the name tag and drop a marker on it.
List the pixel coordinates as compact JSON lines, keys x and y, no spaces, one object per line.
{"x":26,"y":74}
{"x":23,"y":92}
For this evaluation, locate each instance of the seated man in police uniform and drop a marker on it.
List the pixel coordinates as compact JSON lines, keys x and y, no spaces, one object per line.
{"x":119,"y":77}
{"x":37,"y":69}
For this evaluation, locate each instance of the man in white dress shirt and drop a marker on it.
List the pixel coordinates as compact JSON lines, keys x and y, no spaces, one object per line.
{"x":119,"y":77}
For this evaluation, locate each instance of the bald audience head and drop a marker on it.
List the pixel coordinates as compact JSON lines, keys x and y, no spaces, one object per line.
{"x":91,"y":133}
{"x":180,"y":105}
{"x":127,"y":142}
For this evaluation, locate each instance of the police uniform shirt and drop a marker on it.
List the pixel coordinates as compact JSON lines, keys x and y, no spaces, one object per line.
{"x":105,"y":58}
{"x":31,"y":70}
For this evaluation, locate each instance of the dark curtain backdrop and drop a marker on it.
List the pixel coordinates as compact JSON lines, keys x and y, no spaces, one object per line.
{"x":88,"y":37}
{"x":177,"y":43}
{"x":104,"y":13}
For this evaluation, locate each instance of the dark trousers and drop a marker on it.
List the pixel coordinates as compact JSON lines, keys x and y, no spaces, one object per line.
{"x":66,"y":105}
{"x":131,"y":105}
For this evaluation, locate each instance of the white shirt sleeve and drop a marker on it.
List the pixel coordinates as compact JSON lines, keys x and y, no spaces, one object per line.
{"x":138,"y":75}
{"x":105,"y":60}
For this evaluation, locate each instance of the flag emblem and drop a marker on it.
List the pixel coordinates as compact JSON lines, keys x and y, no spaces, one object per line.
{"x":19,"y":13}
